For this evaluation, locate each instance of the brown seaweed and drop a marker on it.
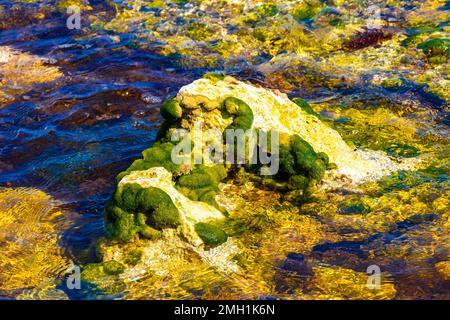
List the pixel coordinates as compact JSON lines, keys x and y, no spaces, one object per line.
{"x":367,"y":38}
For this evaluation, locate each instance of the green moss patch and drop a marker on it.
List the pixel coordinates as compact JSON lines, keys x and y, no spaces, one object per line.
{"x":202,"y":184}
{"x":436,"y":50}
{"x":140,"y":210}
{"x":210,"y":234}
{"x":242,"y":113}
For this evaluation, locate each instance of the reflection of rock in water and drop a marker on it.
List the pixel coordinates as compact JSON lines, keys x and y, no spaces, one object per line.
{"x":30,"y":256}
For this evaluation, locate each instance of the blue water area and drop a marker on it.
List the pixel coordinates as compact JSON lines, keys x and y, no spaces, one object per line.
{"x":71,"y":137}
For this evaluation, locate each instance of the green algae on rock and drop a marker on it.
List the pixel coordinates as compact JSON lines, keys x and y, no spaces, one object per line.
{"x":159,"y":203}
{"x":210,"y":234}
{"x":155,"y":193}
{"x":437,"y":50}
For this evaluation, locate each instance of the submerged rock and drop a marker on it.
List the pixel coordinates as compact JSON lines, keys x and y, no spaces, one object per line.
{"x":20,"y":72}
{"x":31,"y":259}
{"x":340,"y":283}
{"x":367,"y":38}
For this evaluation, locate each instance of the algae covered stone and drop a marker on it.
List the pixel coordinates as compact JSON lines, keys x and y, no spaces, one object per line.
{"x":171,"y":110}
{"x":140,"y":210}
{"x":242,"y":112}
{"x":156,"y":192}
{"x":210,"y":234}
{"x":437,"y":50}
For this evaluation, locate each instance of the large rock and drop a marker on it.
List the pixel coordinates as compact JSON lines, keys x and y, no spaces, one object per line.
{"x":168,"y":211}
{"x":274,"y":111}
{"x":157,"y":192}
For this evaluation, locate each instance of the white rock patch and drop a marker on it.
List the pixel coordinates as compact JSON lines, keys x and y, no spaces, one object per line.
{"x":276,"y":112}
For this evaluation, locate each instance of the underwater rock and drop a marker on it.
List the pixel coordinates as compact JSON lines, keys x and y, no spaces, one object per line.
{"x":20,"y":71}
{"x":443,"y":268}
{"x":31,"y":257}
{"x":339,"y":283}
{"x":297,"y":263}
{"x":366,"y":38}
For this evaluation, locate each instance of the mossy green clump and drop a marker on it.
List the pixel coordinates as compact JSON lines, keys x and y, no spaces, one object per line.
{"x":436,"y":50}
{"x":113,"y":268}
{"x":154,"y":203}
{"x":159,"y":208}
{"x":171,"y":110}
{"x":300,"y":169}
{"x":304,"y":106}
{"x":159,"y":155}
{"x":300,"y":164}
{"x":135,"y":209}
{"x":120,"y":225}
{"x":243,"y":114}
{"x":133,"y":257}
{"x":202,"y":184}
{"x":210,"y":234}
